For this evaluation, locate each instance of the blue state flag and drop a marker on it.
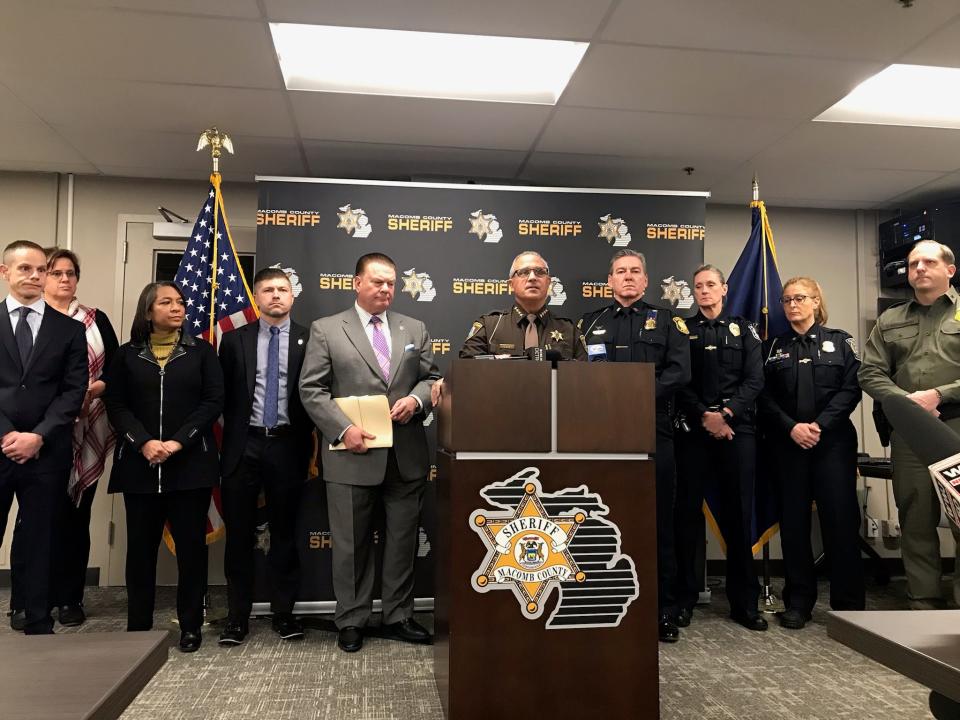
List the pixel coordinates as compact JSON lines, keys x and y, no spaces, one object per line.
{"x":754,"y":290}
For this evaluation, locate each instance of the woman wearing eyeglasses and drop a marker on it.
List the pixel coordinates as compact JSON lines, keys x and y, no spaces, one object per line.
{"x":811,"y":389}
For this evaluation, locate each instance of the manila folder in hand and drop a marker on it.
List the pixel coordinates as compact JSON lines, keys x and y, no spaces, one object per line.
{"x":370,"y":413}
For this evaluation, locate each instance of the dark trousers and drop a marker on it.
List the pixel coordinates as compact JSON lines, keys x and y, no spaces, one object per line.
{"x":351,"y":511}
{"x":666,"y":496}
{"x":186,"y":510}
{"x":38,"y":493}
{"x":70,"y":557}
{"x":276,"y":466}
{"x":825,"y":474}
{"x":729,"y":468}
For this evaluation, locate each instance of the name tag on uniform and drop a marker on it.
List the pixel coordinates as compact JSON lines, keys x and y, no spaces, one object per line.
{"x":596,"y":352}
{"x":408,"y":347}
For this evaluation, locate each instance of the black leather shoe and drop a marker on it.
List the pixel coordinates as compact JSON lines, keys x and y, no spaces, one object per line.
{"x":684,"y":617}
{"x":287,"y":627}
{"x":408,"y":630}
{"x":350,"y":638}
{"x":668,"y":631}
{"x":751,"y":621}
{"x":793,"y":619}
{"x":190,"y":641}
{"x":71,"y":615}
{"x":18,"y":620}
{"x":233,"y":634}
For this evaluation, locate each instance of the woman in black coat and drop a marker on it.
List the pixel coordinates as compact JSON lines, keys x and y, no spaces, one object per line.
{"x":164,"y":393}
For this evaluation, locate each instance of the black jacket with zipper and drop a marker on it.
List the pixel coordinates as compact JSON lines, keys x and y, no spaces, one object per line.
{"x":179,"y":402}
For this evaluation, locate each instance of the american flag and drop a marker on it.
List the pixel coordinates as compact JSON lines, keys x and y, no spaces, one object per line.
{"x":210,"y":247}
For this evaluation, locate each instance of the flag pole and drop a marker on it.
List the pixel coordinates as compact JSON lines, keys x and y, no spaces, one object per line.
{"x":769,"y":602}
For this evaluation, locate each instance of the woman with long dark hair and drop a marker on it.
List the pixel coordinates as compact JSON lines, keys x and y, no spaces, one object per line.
{"x":164,"y":393}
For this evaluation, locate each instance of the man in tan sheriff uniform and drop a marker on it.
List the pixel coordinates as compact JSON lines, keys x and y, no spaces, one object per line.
{"x":529,"y":323}
{"x":914,"y":350}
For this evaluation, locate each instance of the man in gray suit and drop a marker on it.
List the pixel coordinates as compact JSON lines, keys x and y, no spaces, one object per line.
{"x":368,"y":351}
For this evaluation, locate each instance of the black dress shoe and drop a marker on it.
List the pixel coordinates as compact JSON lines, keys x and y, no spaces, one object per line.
{"x":190,"y":641}
{"x":751,"y":621}
{"x":684,"y":617}
{"x":793,"y":619}
{"x":287,"y":627}
{"x":350,"y":638}
{"x":233,"y":634}
{"x":71,"y":615}
{"x":408,"y":630}
{"x":18,"y":620}
{"x":667,"y":630}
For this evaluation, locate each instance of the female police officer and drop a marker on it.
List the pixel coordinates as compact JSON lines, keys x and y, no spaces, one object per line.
{"x":811,"y":389}
{"x":717,"y":444}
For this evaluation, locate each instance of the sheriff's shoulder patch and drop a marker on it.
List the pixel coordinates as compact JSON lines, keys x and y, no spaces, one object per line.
{"x":681,"y":325}
{"x":474,"y":329}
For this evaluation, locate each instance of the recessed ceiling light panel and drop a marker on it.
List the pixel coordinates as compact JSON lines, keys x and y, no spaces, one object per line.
{"x":422,"y":64}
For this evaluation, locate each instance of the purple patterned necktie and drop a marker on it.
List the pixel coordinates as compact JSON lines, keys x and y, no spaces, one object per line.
{"x":380,"y":347}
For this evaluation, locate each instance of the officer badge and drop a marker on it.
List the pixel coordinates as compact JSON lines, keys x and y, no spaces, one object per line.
{"x":651,"y":323}
{"x":734,"y":329}
{"x":828,"y":346}
{"x":681,"y":325}
{"x":474,"y":329}
{"x":853,"y":347}
{"x":556,"y":335}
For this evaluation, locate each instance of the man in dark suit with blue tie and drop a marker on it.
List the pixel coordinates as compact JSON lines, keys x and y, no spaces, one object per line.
{"x":266,"y":446}
{"x":43,"y":380}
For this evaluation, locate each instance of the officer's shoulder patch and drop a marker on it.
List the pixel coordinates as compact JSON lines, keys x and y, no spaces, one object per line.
{"x":681,"y":325}
{"x":753,"y":331}
{"x":580,"y":324}
{"x":853,"y":347}
{"x":474,"y":329}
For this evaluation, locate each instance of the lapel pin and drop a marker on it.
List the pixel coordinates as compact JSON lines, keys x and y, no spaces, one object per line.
{"x":300,"y":341}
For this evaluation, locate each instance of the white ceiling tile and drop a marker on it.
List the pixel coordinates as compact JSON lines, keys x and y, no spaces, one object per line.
{"x":234,"y":8}
{"x":711,"y":83}
{"x":35,"y":142}
{"x":383,"y":162}
{"x":942,"y":48}
{"x":943,"y":188}
{"x":104,"y":44}
{"x":13,"y":110}
{"x":158,"y":106}
{"x":694,"y":137}
{"x":868,"y":146}
{"x":852,"y":29}
{"x":569,"y":170}
{"x":47,"y":167}
{"x":417,"y":121}
{"x":566,"y":19}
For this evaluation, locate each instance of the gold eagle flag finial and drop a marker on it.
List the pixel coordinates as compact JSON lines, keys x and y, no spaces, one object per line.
{"x":217,"y":140}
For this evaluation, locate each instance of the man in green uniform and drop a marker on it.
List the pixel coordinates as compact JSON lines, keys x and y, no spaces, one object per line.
{"x":914,"y":350}
{"x":529,"y":323}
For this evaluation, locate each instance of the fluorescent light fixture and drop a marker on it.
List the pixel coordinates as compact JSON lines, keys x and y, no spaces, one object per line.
{"x":915,"y":95}
{"x":425,"y":64}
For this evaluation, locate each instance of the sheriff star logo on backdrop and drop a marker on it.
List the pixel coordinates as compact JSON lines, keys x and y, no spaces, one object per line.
{"x":527,"y":550}
{"x":677,"y":292}
{"x":485,"y":226}
{"x":614,"y":230}
{"x":354,"y":221}
{"x":419,"y":285}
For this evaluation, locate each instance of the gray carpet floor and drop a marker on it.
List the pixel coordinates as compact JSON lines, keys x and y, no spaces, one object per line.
{"x":718,"y":670}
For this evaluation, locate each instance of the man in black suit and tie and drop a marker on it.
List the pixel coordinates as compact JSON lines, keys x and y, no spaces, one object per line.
{"x":266,"y":445}
{"x":366,"y":350}
{"x":43,"y":380}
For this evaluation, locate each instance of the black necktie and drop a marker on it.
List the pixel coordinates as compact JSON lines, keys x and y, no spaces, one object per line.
{"x":806,"y":397}
{"x":24,"y":335}
{"x":623,"y":340}
{"x":711,"y":364}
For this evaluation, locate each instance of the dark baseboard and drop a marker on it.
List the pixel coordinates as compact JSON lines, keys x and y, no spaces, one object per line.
{"x":92,"y":578}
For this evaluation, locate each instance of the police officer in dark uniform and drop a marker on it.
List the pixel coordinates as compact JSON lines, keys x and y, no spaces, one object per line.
{"x":811,"y":389}
{"x":717,"y":443}
{"x":630,"y":330}
{"x":528,"y":323}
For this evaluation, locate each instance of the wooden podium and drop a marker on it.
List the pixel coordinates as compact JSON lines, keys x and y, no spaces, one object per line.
{"x":546,"y":591}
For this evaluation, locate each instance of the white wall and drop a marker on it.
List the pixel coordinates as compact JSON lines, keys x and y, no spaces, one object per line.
{"x":838,"y":248}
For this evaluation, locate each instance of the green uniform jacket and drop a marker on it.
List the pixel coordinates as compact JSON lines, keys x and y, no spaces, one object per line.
{"x":915,"y":347}
{"x":501,"y":333}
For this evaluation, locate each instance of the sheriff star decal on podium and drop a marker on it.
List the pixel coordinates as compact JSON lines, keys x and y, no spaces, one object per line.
{"x":533,"y":546}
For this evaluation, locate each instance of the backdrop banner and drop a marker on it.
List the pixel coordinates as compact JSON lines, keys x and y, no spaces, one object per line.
{"x":453,"y":245}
